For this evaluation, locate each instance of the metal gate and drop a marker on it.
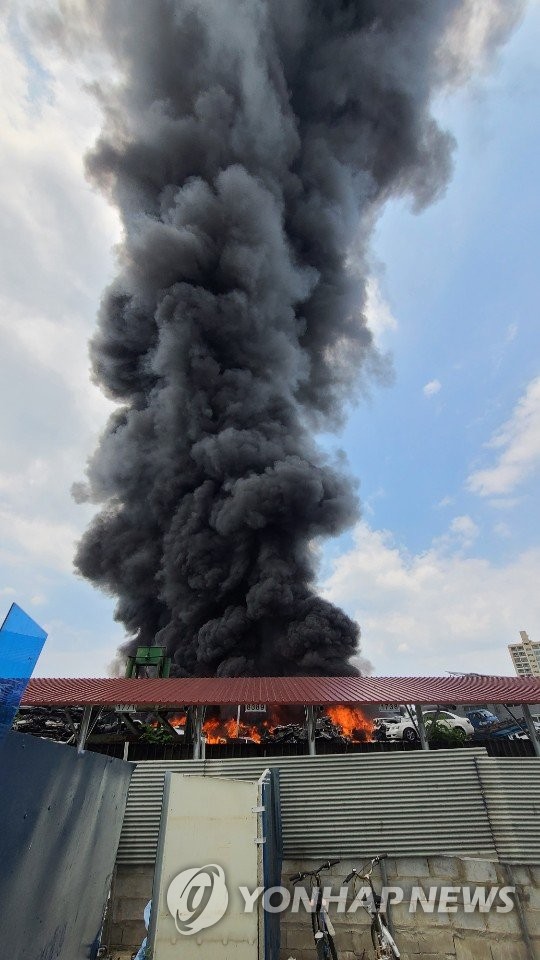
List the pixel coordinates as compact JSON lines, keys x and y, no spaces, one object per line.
{"x":61,"y":815}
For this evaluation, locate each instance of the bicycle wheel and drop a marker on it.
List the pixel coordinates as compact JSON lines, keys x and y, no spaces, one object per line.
{"x":326,"y":948}
{"x":390,"y":942}
{"x":375,"y":934}
{"x":331,"y":953}
{"x":383,"y":940}
{"x":320,"y":946}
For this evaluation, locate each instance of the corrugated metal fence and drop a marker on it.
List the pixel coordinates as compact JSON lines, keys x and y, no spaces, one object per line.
{"x":444,"y":802}
{"x":511,"y":787}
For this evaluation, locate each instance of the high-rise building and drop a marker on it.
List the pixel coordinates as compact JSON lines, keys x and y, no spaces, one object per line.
{"x":526,"y":656}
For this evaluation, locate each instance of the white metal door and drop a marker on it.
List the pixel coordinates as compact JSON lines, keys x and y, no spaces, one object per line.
{"x":207,"y":850}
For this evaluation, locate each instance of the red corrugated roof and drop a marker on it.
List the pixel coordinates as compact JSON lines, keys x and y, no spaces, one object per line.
{"x":145,"y":693}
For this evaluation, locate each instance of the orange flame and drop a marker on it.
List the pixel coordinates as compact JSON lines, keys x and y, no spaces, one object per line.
{"x":352,"y":721}
{"x":178,"y":720}
{"x":220,"y":731}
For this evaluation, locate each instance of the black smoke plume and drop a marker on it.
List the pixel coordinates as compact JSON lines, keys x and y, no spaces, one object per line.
{"x":249,"y":146}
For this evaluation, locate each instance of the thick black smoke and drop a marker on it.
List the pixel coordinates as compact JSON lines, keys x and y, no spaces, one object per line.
{"x":249,"y":146}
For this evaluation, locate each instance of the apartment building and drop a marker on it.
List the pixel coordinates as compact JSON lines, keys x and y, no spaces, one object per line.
{"x":526,"y":656}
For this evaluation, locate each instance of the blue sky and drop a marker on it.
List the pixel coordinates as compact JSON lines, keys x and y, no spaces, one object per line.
{"x":442,"y":571}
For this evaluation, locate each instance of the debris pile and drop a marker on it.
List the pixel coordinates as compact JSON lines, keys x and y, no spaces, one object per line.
{"x":58,"y":725}
{"x":325,"y":729}
{"x":280,"y":725}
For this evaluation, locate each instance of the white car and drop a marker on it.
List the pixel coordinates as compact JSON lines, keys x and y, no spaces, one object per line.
{"x":405,"y":728}
{"x":449,"y":720}
{"x":395,"y":728}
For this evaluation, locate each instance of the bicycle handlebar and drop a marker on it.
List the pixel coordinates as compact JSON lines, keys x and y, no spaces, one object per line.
{"x":313,"y":873}
{"x":354,"y":871}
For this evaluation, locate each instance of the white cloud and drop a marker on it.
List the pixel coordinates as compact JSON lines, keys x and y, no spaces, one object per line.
{"x":504,"y":503}
{"x":461,"y":534}
{"x":472,"y":36}
{"x":431,"y":388}
{"x":75,"y":652}
{"x":518,"y":443}
{"x":465,"y":528}
{"x":59,"y":345}
{"x":511,"y":332}
{"x":379,"y":316}
{"x":38,"y":599}
{"x":27,"y":538}
{"x":438,"y":610}
{"x":56,"y":259}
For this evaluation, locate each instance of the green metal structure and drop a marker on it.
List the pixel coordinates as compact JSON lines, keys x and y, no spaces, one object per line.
{"x":148,"y":662}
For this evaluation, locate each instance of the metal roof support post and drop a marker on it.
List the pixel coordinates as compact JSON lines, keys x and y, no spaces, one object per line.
{"x":70,"y":721}
{"x":165,"y":724}
{"x":533,"y":736}
{"x":82,"y":733}
{"x":310,"y":724}
{"x":197,"y":719}
{"x":126,"y":719}
{"x":421,"y":727}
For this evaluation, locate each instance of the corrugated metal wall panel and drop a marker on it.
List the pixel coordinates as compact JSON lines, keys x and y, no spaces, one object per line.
{"x":512,"y":791}
{"x":407,"y":804}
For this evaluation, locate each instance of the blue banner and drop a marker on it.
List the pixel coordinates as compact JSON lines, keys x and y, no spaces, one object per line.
{"x":21,"y":642}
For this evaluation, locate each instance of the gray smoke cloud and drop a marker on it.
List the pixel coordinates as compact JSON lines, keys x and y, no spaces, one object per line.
{"x":249,"y":146}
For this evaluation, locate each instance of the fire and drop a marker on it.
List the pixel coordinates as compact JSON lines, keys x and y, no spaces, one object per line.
{"x":352,"y":722}
{"x":221,"y":731}
{"x":178,"y":720}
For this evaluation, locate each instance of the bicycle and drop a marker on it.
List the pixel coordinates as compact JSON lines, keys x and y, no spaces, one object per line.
{"x":383,"y":941}
{"x":323,"y":930}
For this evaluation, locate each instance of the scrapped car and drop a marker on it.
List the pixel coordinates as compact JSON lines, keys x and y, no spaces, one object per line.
{"x":404,"y":727}
{"x":522,"y":733}
{"x":451,"y":721}
{"x":395,"y":728}
{"x":482,"y":719}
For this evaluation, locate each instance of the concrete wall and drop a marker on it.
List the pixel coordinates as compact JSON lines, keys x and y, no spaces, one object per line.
{"x":425,"y":936}
{"x":130,"y":892}
{"x":420,"y":936}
